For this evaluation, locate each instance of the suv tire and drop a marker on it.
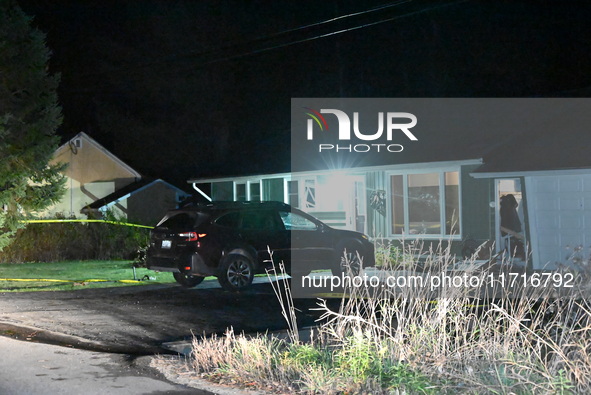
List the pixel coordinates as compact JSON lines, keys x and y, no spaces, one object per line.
{"x":236,"y":272}
{"x":349,"y":262}
{"x":187,"y":281}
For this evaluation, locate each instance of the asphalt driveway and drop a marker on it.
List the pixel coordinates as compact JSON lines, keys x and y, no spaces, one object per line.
{"x":137,"y":320}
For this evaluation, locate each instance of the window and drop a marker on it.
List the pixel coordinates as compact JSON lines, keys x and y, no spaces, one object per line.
{"x":293,"y":221}
{"x":273,"y":189}
{"x":229,"y":220}
{"x":222,"y":190}
{"x":452,"y":203}
{"x":179,"y":221}
{"x":255,"y":191}
{"x":293,"y":194}
{"x":240,"y":192}
{"x":258,"y":220}
{"x":397,"y":205}
{"x":425,"y":204}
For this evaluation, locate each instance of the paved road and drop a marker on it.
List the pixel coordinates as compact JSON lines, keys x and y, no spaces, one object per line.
{"x":40,"y":369}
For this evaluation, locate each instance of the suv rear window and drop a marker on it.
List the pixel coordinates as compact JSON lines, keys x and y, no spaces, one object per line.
{"x":179,"y":221}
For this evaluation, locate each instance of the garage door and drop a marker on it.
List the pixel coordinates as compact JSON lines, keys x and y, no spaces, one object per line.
{"x":559,"y":210}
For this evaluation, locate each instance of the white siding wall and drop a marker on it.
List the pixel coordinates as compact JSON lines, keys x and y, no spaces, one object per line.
{"x":559,"y":209}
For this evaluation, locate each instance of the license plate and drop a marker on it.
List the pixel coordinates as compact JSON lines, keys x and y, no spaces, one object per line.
{"x":166,"y":244}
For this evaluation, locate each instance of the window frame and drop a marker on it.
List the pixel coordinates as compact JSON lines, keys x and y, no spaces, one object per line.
{"x":442,"y":201}
{"x":288,"y":195}
{"x":248,"y":184}
{"x":237,"y":194}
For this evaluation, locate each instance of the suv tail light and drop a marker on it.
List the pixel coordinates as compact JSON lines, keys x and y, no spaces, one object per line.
{"x":192,"y":236}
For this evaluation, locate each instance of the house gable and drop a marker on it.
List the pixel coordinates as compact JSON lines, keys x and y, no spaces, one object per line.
{"x":92,"y":172}
{"x":88,"y":162}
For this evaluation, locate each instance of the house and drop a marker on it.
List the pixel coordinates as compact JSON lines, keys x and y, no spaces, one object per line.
{"x":143,"y":202}
{"x":98,"y":181}
{"x":512,"y":173}
{"x":549,"y":171}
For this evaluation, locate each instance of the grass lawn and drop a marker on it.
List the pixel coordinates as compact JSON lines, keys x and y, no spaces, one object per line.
{"x":64,"y":276}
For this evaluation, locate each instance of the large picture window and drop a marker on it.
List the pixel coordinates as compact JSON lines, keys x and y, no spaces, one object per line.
{"x":425,"y":204}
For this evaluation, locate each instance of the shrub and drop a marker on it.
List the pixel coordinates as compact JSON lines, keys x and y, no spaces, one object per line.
{"x":389,"y":255}
{"x":62,"y":241}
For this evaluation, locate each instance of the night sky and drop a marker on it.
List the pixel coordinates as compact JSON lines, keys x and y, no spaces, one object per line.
{"x":181,"y":89}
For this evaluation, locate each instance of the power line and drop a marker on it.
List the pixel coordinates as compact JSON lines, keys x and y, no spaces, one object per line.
{"x":316,"y":24}
{"x":275,"y":46}
{"x":333,"y":33}
{"x":237,"y":44}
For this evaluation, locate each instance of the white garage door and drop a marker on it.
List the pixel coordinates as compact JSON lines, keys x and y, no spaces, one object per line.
{"x":559,"y":210}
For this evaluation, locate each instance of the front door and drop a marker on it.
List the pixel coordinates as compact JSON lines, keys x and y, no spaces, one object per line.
{"x":509,"y":219}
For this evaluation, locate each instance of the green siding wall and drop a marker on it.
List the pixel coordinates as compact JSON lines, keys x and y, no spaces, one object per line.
{"x":477,"y":216}
{"x":222,"y":191}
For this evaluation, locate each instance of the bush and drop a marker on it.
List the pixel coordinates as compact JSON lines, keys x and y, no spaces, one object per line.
{"x":63,"y":241}
{"x":389,"y":255}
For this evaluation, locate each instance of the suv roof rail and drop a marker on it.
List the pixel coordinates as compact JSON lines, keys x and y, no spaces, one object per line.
{"x":233,"y":204}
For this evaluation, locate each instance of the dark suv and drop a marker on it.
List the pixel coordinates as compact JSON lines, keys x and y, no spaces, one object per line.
{"x":232,"y":240}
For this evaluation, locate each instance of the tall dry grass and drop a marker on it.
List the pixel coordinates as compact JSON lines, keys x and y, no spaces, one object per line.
{"x":406,"y":341}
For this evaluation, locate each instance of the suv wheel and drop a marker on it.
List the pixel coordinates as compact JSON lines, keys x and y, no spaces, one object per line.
{"x":236,"y":272}
{"x":348,"y":262}
{"x":187,"y":281}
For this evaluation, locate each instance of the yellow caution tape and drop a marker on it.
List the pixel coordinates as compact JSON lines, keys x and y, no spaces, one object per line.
{"x":44,"y":221}
{"x":68,"y":281}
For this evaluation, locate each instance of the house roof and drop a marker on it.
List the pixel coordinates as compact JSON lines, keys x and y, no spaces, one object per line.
{"x":539,"y":152}
{"x":71,"y":146}
{"x":126,"y":192}
{"x":360,"y":169}
{"x":561,"y":143}
{"x":504,"y":134}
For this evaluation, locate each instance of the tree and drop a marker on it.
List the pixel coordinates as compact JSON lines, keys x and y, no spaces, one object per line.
{"x":29,"y":117}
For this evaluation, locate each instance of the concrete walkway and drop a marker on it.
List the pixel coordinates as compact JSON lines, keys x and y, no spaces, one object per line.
{"x":42,"y":369}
